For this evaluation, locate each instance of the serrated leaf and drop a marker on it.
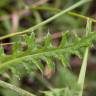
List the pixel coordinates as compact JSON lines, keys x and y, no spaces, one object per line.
{"x":16,"y":47}
{"x":64,"y":60}
{"x":47,"y":41}
{"x":64,"y":39}
{"x":38,"y":64}
{"x":49,"y":62}
{"x":30,"y":41}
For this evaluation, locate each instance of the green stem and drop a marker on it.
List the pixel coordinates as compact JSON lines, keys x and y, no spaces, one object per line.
{"x":51,"y":9}
{"x":81,"y":16}
{"x":83,"y":72}
{"x":16,"y":89}
{"x":38,"y":20}
{"x":84,"y":64}
{"x":46,"y":21}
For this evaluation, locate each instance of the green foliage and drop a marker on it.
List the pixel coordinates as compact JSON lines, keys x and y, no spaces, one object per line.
{"x":28,"y":53}
{"x":46,"y":51}
{"x":60,"y":92}
{"x":84,"y":64}
{"x":35,"y":52}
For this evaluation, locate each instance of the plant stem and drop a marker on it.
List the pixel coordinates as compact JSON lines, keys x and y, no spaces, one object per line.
{"x":83,"y":71}
{"x":46,"y":21}
{"x":58,"y":10}
{"x":16,"y":89}
{"x":84,"y":64}
{"x":38,"y":20}
{"x":81,"y":16}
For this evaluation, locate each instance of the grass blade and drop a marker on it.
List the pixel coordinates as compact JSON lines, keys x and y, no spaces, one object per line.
{"x":81,"y":78}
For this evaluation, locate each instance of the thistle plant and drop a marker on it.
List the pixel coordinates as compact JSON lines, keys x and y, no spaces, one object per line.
{"x":30,"y":58}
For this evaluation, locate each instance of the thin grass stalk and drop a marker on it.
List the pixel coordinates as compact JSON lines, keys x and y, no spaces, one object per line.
{"x":81,"y":2}
{"x":81,"y":78}
{"x":15,"y":89}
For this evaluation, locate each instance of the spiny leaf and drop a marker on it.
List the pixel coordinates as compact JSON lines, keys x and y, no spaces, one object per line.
{"x":63,"y":60}
{"x":11,"y":60}
{"x":48,"y":61}
{"x":64,"y":39}
{"x":16,"y":48}
{"x":47,"y":41}
{"x":38,"y":65}
{"x":30,"y":41}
